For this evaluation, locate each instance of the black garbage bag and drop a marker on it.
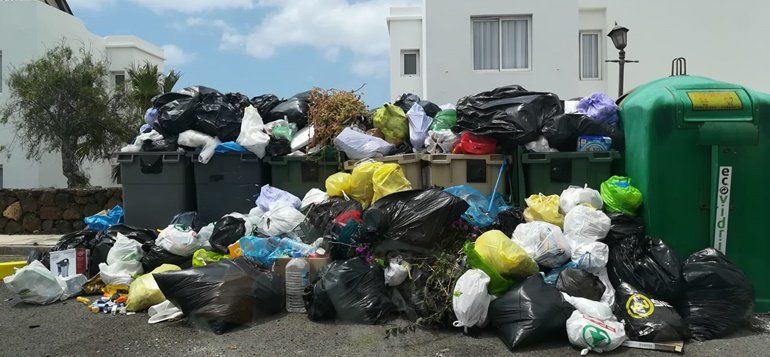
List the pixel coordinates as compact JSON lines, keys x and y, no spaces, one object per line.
{"x":414,"y":217}
{"x":318,"y":305}
{"x":580,"y":283}
{"x":624,"y":227}
{"x":430,"y":108}
{"x":406,"y":101}
{"x":155,"y":256}
{"x":225,"y":294}
{"x":77,"y":239}
{"x":278,"y":147}
{"x":413,"y":292}
{"x":718,"y":297}
{"x":227,"y":231}
{"x":264,"y":104}
{"x":508,"y":220}
{"x":356,"y":290}
{"x":529,"y":312}
{"x":176,"y":111}
{"x":646,"y":318}
{"x":216,"y":117}
{"x":647,"y":263}
{"x":141,"y":235}
{"x":510,"y":114}
{"x":319,"y":219}
{"x":404,"y":147}
{"x":562,"y":131}
{"x":238,"y":100}
{"x":165,"y":144}
{"x":295,"y":109}
{"x":188,"y":219}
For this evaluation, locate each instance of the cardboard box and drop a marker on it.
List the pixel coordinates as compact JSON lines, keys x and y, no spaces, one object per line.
{"x":315,"y":265}
{"x":70,"y":262}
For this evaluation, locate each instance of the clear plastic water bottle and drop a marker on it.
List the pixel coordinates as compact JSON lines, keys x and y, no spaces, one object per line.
{"x":297,"y":272}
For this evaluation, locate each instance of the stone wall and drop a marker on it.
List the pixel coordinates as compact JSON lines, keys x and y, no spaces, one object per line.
{"x":52,"y":211}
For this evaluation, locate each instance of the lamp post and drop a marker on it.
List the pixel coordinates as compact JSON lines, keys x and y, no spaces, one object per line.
{"x":619,"y":37}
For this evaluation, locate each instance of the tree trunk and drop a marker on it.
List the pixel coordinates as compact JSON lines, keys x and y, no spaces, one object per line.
{"x":71,"y":168}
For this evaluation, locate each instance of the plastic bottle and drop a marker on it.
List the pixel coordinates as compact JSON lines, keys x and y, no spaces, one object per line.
{"x":297,"y":271}
{"x":295,"y":246}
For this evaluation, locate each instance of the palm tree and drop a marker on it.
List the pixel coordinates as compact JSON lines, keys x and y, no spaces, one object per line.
{"x":146,"y":81}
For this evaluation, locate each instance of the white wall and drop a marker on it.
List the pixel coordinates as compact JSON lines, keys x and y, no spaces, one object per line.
{"x":405,"y":30}
{"x":27,"y":29}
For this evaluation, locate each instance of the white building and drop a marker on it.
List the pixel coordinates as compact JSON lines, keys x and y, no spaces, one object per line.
{"x":446,"y":49}
{"x":28,"y":28}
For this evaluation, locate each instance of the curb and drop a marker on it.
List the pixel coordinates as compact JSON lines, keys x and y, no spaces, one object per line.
{"x":22,"y":250}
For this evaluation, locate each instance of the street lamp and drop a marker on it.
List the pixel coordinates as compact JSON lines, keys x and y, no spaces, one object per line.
{"x":619,"y":37}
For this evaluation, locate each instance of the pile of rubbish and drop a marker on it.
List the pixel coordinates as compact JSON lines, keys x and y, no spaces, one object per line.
{"x":368,"y":248}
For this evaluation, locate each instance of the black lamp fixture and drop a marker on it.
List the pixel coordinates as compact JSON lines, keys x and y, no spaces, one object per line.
{"x":619,"y":37}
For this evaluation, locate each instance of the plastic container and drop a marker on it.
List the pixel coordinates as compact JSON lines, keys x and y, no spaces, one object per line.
{"x":411,"y":165}
{"x":156,"y":186}
{"x":550,"y":173}
{"x":297,"y":272}
{"x":298,"y":174}
{"x":477,"y":171}
{"x":227,"y":183}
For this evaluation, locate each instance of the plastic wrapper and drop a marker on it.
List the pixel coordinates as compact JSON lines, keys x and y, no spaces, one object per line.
{"x":179,"y":240}
{"x":470,"y":299}
{"x":446,"y":119}
{"x":419,"y":124}
{"x":353,"y":290}
{"x":396,"y":272}
{"x":528,"y":313}
{"x":718,"y":296}
{"x":511,"y":114}
{"x":144,"y":291}
{"x":338,"y":185}
{"x":270,"y":196}
{"x":227,"y":230}
{"x":563,"y":131}
{"x":544,"y":242}
{"x":595,"y":334}
{"x":543,"y":208}
{"x":575,"y":196}
{"x":391,"y":120}
{"x":313,"y":196}
{"x":100,"y":222}
{"x":224,"y":295}
{"x":194,"y":139}
{"x":619,"y":196}
{"x":646,"y":318}
{"x":590,"y":256}
{"x":475,"y":144}
{"x":294,"y":109}
{"x":359,"y":146}
{"x":388,"y":179}
{"x":585,"y":224}
{"x":504,"y":255}
{"x":600,"y":107}
{"x":252,"y":135}
{"x":580,"y":283}
{"x":414,"y":217}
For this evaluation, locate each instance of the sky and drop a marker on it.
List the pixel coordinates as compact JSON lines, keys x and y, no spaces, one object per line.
{"x":255,"y":47}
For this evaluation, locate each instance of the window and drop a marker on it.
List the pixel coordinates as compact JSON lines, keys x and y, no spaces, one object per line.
{"x":410,"y":63}
{"x":590,"y":51}
{"x":501,"y":43}
{"x":120,"y":80}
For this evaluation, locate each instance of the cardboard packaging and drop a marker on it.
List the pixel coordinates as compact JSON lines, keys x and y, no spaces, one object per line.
{"x":70,"y":262}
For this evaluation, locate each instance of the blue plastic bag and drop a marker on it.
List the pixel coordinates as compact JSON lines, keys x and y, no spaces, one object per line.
{"x":261,"y":250}
{"x":600,"y":107}
{"x":553,"y":274}
{"x":479,"y":212}
{"x":270,"y":196}
{"x":151,"y":116}
{"x":229,"y":146}
{"x":99,"y":222}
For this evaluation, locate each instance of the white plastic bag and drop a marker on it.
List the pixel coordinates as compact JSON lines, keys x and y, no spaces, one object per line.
{"x":123,"y":261}
{"x":586,"y":224}
{"x":544,"y":242}
{"x":591,"y":256}
{"x":419,"y":123}
{"x":539,"y":145}
{"x":440,"y":141}
{"x":253,"y":136}
{"x":609,"y":291}
{"x":595,"y":309}
{"x":280,"y":220}
{"x":164,"y":311}
{"x":576,"y":195}
{"x":271,"y":196}
{"x":396,"y":272}
{"x":359,"y":146}
{"x":196,"y":139}
{"x":204,"y":234}
{"x":35,"y":284}
{"x":179,"y":240}
{"x":137,"y":145}
{"x":470,"y":299}
{"x":313,"y":196}
{"x":594,"y":334}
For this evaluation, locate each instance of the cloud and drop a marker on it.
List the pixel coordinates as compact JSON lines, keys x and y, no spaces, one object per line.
{"x":176,"y":56}
{"x":329,"y":26}
{"x":192,"y":6}
{"x":78,"y":5}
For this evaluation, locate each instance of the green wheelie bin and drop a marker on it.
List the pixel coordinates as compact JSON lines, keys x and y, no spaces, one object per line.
{"x":699,"y":151}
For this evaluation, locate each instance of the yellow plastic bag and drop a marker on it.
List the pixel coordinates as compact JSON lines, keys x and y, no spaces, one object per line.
{"x":504,"y":256}
{"x":337,"y":184}
{"x":389,"y":178}
{"x":392,"y":122}
{"x":544,"y":208}
{"x":144,"y":291}
{"x":361,"y":185}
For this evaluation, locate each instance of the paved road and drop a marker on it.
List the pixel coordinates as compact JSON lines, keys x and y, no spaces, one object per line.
{"x":67,"y":328}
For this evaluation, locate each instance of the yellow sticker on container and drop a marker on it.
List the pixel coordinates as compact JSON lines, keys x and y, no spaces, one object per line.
{"x":715,"y":100}
{"x":639,"y":306}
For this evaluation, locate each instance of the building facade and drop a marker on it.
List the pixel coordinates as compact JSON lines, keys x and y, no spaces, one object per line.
{"x":28,"y":28}
{"x":446,"y":49}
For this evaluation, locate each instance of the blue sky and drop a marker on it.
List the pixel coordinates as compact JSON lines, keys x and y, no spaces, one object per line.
{"x":259,"y":46}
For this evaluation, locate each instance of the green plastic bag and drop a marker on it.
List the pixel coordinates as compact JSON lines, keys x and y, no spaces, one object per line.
{"x":445,"y":119}
{"x":392,"y":122}
{"x":497,"y":284}
{"x":282,"y":132}
{"x":144,"y":292}
{"x":203,"y":257}
{"x":619,"y":196}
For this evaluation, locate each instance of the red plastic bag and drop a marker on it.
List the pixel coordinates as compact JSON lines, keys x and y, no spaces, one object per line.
{"x":475,"y":144}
